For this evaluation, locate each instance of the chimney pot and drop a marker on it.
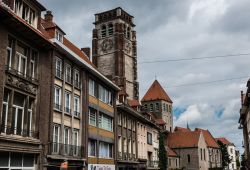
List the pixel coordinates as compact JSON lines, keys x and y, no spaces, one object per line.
{"x":48,"y":16}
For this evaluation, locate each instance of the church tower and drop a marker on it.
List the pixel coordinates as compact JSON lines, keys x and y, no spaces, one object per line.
{"x":157,"y":102}
{"x":114,"y":50}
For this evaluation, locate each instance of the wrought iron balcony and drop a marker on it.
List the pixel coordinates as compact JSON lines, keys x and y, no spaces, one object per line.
{"x":66,"y":150}
{"x":11,"y":130}
{"x":20,"y":74}
{"x":76,"y":114}
{"x":57,"y":106}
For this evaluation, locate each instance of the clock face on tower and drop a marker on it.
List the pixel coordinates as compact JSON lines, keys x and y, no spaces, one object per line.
{"x":127,"y":47}
{"x":106,"y":45}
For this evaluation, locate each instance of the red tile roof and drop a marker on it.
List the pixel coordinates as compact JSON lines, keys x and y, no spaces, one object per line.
{"x":181,"y":129}
{"x":160,"y":121}
{"x":184,"y":139}
{"x":210,"y":140}
{"x":133,"y":103}
{"x":171,"y":153}
{"x":156,"y":92}
{"x":224,"y":141}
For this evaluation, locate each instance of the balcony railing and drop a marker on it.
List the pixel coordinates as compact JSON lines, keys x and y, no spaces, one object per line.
{"x":65,"y":149}
{"x":11,"y":130}
{"x":57,"y":106}
{"x":152,"y":163}
{"x":76,"y":114}
{"x":20,"y":74}
{"x":67,"y":110}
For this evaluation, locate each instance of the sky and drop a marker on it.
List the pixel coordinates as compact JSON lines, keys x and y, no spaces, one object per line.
{"x":175,"y":29}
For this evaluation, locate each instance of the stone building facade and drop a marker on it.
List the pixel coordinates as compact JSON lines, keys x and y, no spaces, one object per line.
{"x":115,"y":51}
{"x":24,"y":54}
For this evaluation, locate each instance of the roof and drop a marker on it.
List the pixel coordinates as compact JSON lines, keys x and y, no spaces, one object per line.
{"x":224,"y":141}
{"x":133,"y":103}
{"x":171,"y":153}
{"x":160,"y":121}
{"x":184,"y":139}
{"x":181,"y":129}
{"x":210,"y":140}
{"x":156,"y":92}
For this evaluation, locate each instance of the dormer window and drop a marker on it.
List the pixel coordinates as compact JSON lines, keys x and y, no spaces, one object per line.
{"x":59,"y":36}
{"x":103,"y":31}
{"x":24,"y":11}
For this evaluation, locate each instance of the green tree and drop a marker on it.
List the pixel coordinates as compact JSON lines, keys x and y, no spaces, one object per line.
{"x":162,"y":152}
{"x":225,"y":156}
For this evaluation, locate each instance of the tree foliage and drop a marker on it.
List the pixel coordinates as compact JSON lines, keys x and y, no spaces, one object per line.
{"x":162,"y":152}
{"x":225,"y":155}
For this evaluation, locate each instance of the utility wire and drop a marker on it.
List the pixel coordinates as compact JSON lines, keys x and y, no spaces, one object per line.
{"x":194,"y":58}
{"x":207,"y":82}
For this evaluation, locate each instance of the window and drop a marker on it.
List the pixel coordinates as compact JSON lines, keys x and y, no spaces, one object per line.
{"x":25,"y":12}
{"x":92,"y":148}
{"x":92,"y":91}
{"x":67,"y":102}
{"x":111,"y":29}
{"x":119,"y":144}
{"x":9,"y":52}
{"x":125,"y":145}
{"x":76,"y":106}
{"x":5,"y":111}
{"x":105,"y":95}
{"x":128,"y":33}
{"x":59,"y":36}
{"x":164,"y":107}
{"x":57,"y":98}
{"x":92,"y":117}
{"x":56,"y":137}
{"x":170,"y":108}
{"x":77,"y":78}
{"x":119,"y":119}
{"x":33,"y":64}
{"x":17,"y":7}
{"x":204,"y":152}
{"x":58,"y":67}
{"x":68,"y":73}
{"x":18,"y":114}
{"x":129,"y":146}
{"x":75,"y":141}
{"x":124,"y":121}
{"x":129,"y":124}
{"x":22,"y":63}
{"x":103,"y":31}
{"x":157,"y":107}
{"x":151,"y":107}
{"x":145,"y":107}
{"x":30,"y":117}
{"x":66,"y":140}
{"x":105,"y":122}
{"x":105,"y":150}
{"x":201,"y":153}
{"x":188,"y":158}
{"x":149,"y":138}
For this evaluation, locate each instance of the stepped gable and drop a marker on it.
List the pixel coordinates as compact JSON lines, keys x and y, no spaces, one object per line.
{"x":210,"y":140}
{"x":156,"y":92}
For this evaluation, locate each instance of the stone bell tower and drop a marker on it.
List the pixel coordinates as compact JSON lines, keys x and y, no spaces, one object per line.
{"x":115,"y":50}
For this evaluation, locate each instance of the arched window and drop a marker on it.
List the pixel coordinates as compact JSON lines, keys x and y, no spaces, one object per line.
{"x":128,"y":33}
{"x":104,"y":31}
{"x":151,"y":107}
{"x":111,"y":29}
{"x":188,"y":157}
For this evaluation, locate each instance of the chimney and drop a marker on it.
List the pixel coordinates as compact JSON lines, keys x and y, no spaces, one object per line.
{"x":48,"y":16}
{"x":86,"y":50}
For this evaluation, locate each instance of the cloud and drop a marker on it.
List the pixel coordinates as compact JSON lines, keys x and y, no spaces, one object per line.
{"x":172,"y":29}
